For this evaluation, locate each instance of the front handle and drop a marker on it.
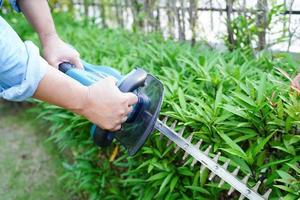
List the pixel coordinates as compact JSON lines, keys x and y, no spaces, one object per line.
{"x":133,"y":80}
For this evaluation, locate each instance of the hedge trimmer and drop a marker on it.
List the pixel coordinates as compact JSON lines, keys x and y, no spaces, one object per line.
{"x":144,"y":119}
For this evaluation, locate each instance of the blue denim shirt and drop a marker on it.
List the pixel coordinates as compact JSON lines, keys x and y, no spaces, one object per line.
{"x":21,"y":66}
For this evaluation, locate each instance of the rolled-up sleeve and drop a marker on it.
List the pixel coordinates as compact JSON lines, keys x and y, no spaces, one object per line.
{"x":21,"y":66}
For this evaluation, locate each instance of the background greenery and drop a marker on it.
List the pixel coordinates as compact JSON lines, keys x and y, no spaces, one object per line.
{"x":235,"y":101}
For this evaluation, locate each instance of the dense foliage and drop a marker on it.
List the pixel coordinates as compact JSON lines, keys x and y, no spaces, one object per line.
{"x":246,"y":32}
{"x":239,"y":104}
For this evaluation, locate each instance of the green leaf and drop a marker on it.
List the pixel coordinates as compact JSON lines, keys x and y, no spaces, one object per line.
{"x":165,"y":182}
{"x":178,"y":109}
{"x":285,"y":188}
{"x":245,"y":99}
{"x":185,"y":171}
{"x":285,"y":176}
{"x":235,"y":110}
{"x":276,"y":162}
{"x":182,"y":100}
{"x":158,"y":176}
{"x":233,"y":146}
{"x":198,"y":189}
{"x":218,"y":98}
{"x":245,"y":137}
{"x":283,"y":149}
{"x":290,"y":197}
{"x":280,"y":109}
{"x":261,"y":89}
{"x":149,"y":194}
{"x":296,"y":168}
{"x":260,"y":144}
{"x":173,"y":183}
{"x":234,"y":152}
{"x":239,"y":161}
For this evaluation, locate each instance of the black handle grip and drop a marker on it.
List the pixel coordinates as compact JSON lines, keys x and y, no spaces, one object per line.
{"x":131,"y":82}
{"x":65,"y":66}
{"x":102,"y":137}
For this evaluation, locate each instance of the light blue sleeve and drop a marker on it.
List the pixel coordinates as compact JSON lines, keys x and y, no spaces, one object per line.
{"x":21,"y":66}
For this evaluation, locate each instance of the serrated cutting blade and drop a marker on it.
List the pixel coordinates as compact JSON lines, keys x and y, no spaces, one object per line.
{"x":208,"y":162}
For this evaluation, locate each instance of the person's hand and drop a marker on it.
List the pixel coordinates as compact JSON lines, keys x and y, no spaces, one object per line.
{"x":106,"y":106}
{"x":295,"y":83}
{"x":56,"y":51}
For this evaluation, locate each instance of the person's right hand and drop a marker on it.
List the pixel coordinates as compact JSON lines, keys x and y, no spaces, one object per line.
{"x":106,"y":106}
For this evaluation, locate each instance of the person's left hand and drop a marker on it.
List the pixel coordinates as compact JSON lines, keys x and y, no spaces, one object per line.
{"x":295,"y":83}
{"x":56,"y":51}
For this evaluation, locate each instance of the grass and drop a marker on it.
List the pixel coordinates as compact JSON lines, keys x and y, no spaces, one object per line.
{"x":30,"y":166}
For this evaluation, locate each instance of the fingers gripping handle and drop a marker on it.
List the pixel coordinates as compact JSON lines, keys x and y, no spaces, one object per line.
{"x":131,"y":82}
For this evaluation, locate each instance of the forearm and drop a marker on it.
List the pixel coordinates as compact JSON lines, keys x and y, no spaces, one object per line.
{"x":59,"y":89}
{"x":38,"y":14}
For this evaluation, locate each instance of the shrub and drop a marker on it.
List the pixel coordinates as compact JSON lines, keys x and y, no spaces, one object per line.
{"x":239,"y":104}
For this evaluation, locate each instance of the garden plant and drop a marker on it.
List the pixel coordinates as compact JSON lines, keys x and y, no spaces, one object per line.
{"x":239,"y":103}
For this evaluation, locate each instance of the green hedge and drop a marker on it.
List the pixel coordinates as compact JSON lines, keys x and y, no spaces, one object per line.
{"x":240,"y":105}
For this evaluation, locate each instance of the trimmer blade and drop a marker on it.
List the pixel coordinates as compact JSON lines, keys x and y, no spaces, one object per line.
{"x":197,"y":146}
{"x":216,"y":158}
{"x":255,"y":188}
{"x":165,"y":119}
{"x":225,"y":165}
{"x":244,"y":180}
{"x":189,"y":140}
{"x":180,"y":133}
{"x":173,"y":126}
{"x":234,"y":173}
{"x":206,"y":152}
{"x":267,"y":194}
{"x":211,"y":163}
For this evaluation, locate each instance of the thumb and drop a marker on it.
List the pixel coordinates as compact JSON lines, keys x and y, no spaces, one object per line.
{"x":76,"y":61}
{"x":52,"y":63}
{"x":132,"y":98}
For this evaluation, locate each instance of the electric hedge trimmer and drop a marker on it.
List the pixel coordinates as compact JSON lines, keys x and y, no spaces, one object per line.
{"x":144,"y":119}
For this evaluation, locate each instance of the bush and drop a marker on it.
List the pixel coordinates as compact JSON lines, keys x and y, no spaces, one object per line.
{"x":240,"y":105}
